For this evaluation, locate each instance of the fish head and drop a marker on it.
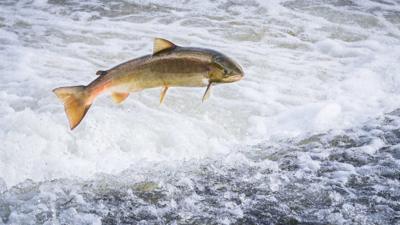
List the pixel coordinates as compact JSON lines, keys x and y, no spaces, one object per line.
{"x":225,"y":69}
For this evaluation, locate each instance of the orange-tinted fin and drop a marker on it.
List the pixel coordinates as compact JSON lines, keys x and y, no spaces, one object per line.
{"x":163,"y":92}
{"x":119,"y":97}
{"x":76,"y":103}
{"x":207,"y":93}
{"x":161,"y":44}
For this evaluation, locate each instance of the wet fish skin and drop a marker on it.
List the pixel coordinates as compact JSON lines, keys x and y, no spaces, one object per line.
{"x":169,"y":66}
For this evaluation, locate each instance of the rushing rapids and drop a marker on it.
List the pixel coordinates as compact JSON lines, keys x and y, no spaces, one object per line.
{"x":310,"y":135}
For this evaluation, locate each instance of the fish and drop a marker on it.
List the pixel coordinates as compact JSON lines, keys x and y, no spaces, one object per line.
{"x":169,"y":65}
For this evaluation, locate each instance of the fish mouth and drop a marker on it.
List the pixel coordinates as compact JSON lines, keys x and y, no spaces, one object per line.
{"x":233,"y":78}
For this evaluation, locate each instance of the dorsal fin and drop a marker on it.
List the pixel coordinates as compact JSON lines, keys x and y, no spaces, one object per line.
{"x":161,"y":44}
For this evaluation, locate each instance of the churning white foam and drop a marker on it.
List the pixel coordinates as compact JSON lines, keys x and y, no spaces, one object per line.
{"x":308,"y":69}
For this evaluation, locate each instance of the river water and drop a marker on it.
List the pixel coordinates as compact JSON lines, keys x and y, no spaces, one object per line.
{"x":310,"y":135}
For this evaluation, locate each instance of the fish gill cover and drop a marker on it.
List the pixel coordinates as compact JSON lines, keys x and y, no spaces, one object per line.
{"x":310,"y":136}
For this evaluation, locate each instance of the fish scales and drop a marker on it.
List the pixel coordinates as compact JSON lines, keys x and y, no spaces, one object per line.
{"x":169,"y":66}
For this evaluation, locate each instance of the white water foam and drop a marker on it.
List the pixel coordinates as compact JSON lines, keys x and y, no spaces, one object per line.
{"x":308,"y":68}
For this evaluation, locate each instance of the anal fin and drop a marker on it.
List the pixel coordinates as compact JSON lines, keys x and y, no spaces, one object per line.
{"x":119,"y":97}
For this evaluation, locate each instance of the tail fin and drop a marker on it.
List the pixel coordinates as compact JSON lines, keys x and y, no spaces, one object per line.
{"x":76,"y":103}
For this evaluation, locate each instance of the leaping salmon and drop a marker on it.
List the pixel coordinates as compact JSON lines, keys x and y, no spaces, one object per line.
{"x":170,"y":65}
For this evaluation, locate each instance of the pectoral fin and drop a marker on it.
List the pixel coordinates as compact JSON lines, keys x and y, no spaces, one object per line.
{"x":119,"y":97}
{"x":163,"y":92}
{"x":207,"y":93}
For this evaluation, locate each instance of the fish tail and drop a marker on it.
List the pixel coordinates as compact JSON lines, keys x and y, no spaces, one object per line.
{"x":77,"y":101}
